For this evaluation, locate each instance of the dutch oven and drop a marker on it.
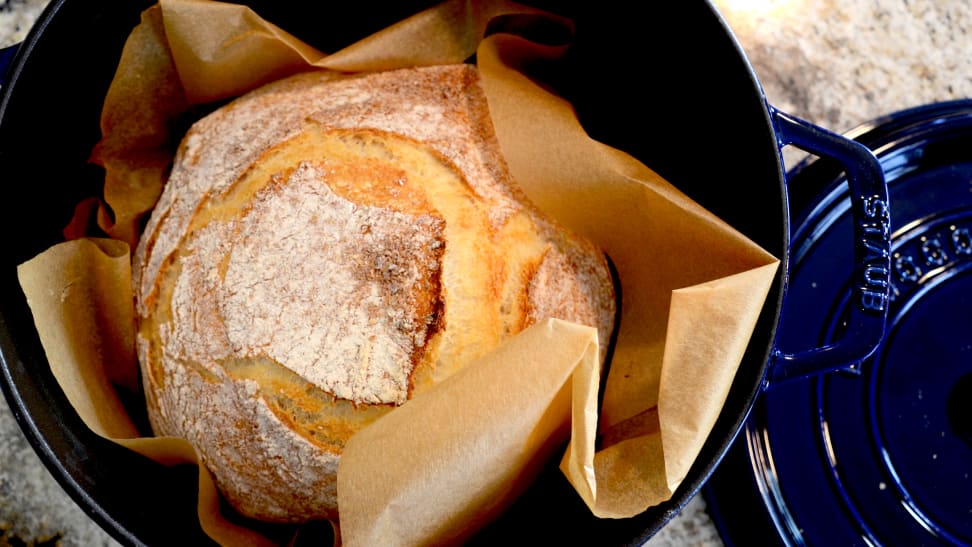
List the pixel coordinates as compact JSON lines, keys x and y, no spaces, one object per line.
{"x":668,"y":84}
{"x":882,"y":453}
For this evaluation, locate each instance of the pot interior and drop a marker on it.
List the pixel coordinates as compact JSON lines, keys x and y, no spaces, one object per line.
{"x":667,"y":84}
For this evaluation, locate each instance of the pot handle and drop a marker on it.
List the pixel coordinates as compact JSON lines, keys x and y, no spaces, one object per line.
{"x":871,"y":283}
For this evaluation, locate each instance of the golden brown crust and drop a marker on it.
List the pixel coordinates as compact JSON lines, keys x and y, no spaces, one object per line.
{"x":326,"y":246}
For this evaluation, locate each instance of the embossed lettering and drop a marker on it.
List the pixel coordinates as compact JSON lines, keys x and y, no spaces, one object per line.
{"x":876,"y":208}
{"x":875,"y":245}
{"x":872,"y":300}
{"x":876,"y":276}
{"x":927,"y":251}
{"x":874,"y":249}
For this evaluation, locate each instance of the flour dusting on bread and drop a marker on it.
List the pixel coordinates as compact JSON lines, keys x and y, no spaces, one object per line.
{"x":326,"y":247}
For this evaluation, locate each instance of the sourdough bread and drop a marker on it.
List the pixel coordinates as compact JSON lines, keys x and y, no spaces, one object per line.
{"x":326,"y":247}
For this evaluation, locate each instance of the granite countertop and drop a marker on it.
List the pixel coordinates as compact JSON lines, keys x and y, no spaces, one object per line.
{"x":834,"y":63}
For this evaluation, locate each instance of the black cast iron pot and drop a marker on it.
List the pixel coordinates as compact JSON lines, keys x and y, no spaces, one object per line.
{"x":667,"y":83}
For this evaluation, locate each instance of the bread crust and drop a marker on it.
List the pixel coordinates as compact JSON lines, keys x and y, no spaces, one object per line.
{"x":327,"y":246}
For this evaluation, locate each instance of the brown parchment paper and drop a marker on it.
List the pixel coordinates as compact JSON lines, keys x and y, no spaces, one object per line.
{"x":692,"y":288}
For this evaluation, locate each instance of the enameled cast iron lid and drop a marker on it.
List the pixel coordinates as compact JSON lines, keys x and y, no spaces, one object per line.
{"x":880,"y":453}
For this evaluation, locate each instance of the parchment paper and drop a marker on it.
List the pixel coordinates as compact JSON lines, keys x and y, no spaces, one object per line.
{"x":692,"y":288}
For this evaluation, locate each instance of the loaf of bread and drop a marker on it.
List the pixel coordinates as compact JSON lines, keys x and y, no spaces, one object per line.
{"x":326,"y":247}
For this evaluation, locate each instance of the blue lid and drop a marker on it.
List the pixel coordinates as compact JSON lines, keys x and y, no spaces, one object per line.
{"x":880,"y":454}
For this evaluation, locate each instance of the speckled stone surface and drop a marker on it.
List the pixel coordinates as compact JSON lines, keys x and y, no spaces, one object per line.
{"x":841,"y":63}
{"x":16,"y":18}
{"x":836,"y":63}
{"x":33,"y":508}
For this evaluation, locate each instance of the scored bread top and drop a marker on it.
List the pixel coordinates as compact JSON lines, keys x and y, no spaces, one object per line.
{"x":276,"y":295}
{"x":325,"y":247}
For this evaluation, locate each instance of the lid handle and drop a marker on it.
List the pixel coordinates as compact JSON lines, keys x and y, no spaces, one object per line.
{"x":867,"y":317}
{"x":6,"y":59}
